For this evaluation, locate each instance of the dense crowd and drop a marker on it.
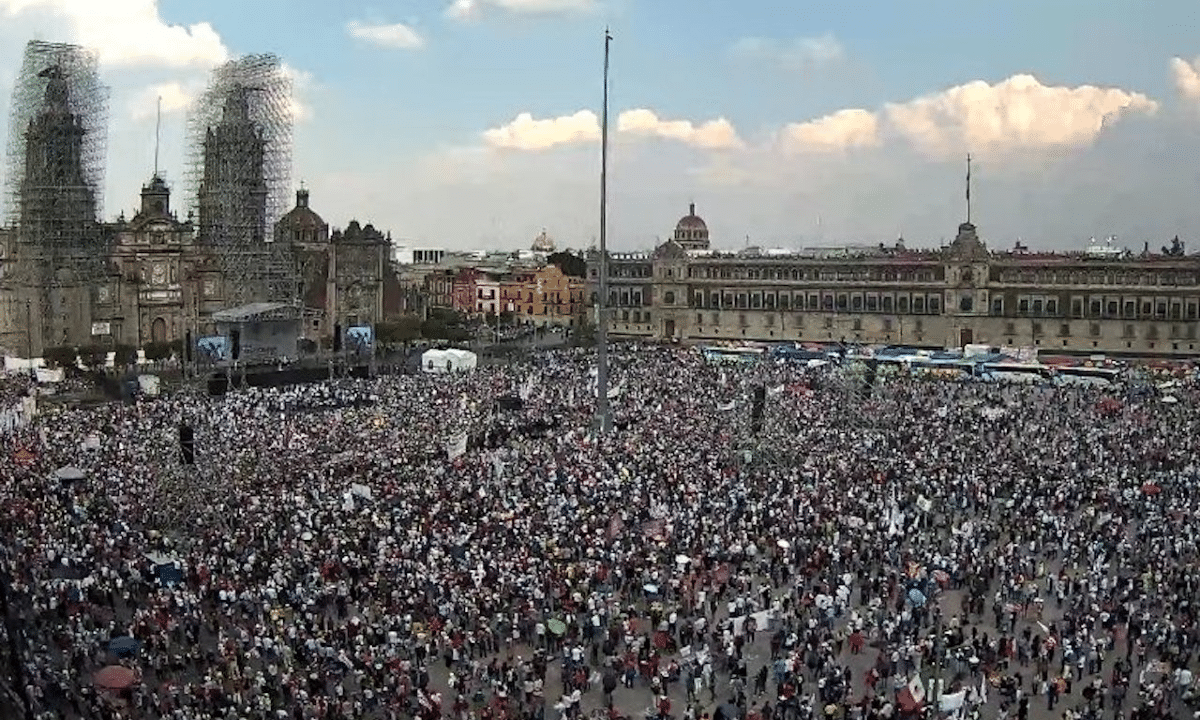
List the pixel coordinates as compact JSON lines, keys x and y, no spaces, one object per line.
{"x":866,"y":553}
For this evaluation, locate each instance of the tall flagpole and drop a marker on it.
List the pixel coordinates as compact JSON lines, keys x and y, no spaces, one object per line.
{"x":157,"y":133}
{"x":968,"y":187}
{"x":603,"y":417}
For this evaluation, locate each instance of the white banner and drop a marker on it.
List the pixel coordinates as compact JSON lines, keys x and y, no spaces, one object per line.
{"x":456,"y":445}
{"x":101,"y":328}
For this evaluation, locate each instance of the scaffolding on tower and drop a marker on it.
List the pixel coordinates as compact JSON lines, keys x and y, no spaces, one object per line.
{"x":239,"y":177}
{"x":55,"y":161}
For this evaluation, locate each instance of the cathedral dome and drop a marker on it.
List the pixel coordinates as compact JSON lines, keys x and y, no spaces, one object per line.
{"x":542,"y":243}
{"x":302,"y":223}
{"x":691,"y":232}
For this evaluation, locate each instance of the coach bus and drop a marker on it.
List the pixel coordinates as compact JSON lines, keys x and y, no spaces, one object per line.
{"x":732,"y":354}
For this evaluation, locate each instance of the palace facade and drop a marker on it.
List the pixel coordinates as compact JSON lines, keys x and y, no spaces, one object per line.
{"x":1103,"y":301}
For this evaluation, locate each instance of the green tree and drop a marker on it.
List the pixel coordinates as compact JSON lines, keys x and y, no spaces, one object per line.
{"x":124,"y":355}
{"x":403,"y":329}
{"x":60,"y":357}
{"x":570,"y":263}
{"x":157,"y":351}
{"x":93,"y":356}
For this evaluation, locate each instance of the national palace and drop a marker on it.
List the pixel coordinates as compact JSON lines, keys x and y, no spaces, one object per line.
{"x":1103,"y":300}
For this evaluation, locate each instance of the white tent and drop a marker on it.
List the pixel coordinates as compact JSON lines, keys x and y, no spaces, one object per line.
{"x":445,"y":361}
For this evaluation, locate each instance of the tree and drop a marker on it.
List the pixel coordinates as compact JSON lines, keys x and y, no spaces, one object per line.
{"x":570,"y":263}
{"x":60,"y":357}
{"x":447,"y":316}
{"x":403,"y":329}
{"x":157,"y":351}
{"x":93,"y":356}
{"x":124,"y":355}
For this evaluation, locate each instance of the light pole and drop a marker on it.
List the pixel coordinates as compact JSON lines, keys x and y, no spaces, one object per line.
{"x":603,"y":416}
{"x":29,"y":335}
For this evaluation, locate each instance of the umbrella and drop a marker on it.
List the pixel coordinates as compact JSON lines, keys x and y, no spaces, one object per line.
{"x":123,"y":646}
{"x":1151,"y":489}
{"x":1170,"y":399}
{"x":650,"y":588}
{"x":728,"y":711}
{"x":783,"y":544}
{"x":115,"y":677}
{"x":916,"y":597}
{"x":169,"y":575}
{"x":682,"y":559}
{"x":69,"y":474}
{"x":556,"y":626}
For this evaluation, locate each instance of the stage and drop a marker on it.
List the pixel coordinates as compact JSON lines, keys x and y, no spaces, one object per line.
{"x":259,"y":332}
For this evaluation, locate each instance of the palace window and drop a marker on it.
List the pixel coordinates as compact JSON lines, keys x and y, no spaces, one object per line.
{"x":887,"y":303}
{"x":669,"y":297}
{"x":998,"y":306}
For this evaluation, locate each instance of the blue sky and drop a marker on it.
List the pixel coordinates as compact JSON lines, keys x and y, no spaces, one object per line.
{"x":792,"y":123}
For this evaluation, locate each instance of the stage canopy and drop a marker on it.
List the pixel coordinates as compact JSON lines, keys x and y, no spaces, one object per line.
{"x":446,"y":361}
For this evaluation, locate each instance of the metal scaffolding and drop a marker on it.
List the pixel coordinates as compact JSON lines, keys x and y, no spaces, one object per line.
{"x":239,"y":177}
{"x":55,"y":177}
{"x":58,"y":78}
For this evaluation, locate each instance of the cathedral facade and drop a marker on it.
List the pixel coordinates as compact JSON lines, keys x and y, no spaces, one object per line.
{"x":69,"y":280}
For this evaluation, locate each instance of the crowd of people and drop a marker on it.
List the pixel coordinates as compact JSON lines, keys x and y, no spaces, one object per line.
{"x":911,"y":548}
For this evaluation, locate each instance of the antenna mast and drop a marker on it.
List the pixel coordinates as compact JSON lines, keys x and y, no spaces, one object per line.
{"x":603,"y":417}
{"x":157,"y":133}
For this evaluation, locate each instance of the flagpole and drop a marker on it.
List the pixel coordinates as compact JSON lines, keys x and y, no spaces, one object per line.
{"x":603,"y":417}
{"x":968,"y":187}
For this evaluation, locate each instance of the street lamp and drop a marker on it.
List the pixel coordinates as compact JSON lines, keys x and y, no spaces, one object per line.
{"x":29,"y":334}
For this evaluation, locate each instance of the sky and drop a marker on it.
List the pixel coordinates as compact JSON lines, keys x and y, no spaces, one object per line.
{"x":475,"y":124}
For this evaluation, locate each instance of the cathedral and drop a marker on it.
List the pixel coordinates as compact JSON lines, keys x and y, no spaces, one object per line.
{"x":68,"y":279}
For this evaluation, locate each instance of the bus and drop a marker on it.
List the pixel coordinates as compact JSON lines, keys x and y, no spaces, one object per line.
{"x":722,"y":355}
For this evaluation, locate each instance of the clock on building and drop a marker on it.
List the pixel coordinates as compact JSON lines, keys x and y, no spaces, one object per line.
{"x":159,"y":276}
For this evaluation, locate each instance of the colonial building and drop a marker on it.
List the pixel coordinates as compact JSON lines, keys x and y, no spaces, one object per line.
{"x":1092,"y":302}
{"x":151,"y":295}
{"x":545,"y":296}
{"x":346,"y":276}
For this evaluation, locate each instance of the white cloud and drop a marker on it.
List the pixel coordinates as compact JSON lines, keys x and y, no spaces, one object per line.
{"x":716,"y":134}
{"x":471,"y":9}
{"x":1018,"y":113}
{"x":174,"y":96}
{"x":396,"y":35}
{"x":797,"y":54}
{"x":528,"y":133}
{"x":841,"y":130}
{"x":1187,"y":77}
{"x":130,"y":32}
{"x":302,"y":83}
